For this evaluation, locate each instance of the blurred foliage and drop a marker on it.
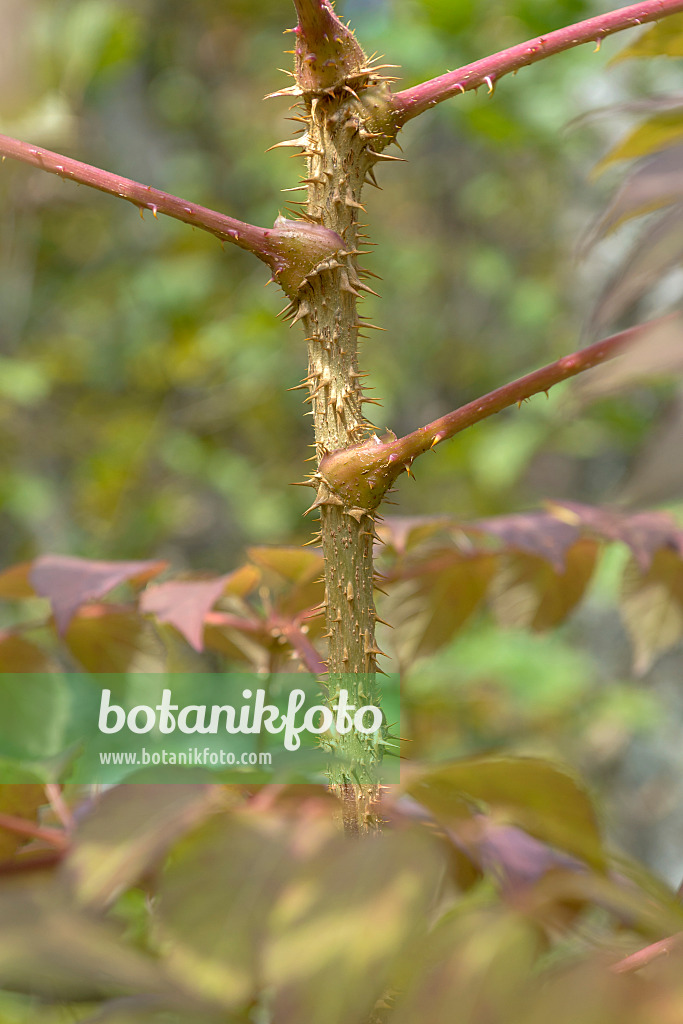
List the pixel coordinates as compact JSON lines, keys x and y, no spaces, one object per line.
{"x":143,"y":415}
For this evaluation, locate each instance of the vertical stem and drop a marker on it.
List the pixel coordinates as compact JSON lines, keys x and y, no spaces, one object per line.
{"x":337,"y":166}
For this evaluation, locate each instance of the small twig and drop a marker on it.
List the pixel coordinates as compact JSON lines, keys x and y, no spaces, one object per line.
{"x":362,"y":474}
{"x":291,"y":249}
{"x":411,"y":102}
{"x":59,"y":805}
{"x":21,"y":826}
{"x":646,"y":956}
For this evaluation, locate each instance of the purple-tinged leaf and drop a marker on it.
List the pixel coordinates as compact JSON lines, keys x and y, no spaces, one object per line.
{"x":70,"y":582}
{"x":645,"y":533}
{"x":184,"y":604}
{"x":654,"y":254}
{"x":654,"y":183}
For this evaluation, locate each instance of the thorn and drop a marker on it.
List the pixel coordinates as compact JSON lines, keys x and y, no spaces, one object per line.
{"x":598,"y":44}
{"x":370,"y":179}
{"x":303,"y":483}
{"x":354,"y":205}
{"x":490,"y":82}
{"x":386,"y":156}
{"x":302,"y":143}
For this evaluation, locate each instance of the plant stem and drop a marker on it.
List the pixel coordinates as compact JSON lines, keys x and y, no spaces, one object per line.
{"x":648,"y":955}
{"x":411,"y":102}
{"x":361,"y":475}
{"x":290,"y":249}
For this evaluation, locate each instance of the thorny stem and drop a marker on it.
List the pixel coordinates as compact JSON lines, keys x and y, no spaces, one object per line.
{"x":362,"y":474}
{"x":280,"y":247}
{"x":411,"y":102}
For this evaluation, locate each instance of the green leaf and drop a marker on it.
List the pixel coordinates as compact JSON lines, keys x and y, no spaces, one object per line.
{"x":665,"y":39}
{"x":214,"y":903}
{"x":537,"y":796}
{"x":350,"y":912}
{"x":127,"y":833}
{"x":655,"y":134}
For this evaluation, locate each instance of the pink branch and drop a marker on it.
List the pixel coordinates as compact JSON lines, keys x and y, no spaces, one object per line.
{"x":292,"y":249}
{"x":411,"y":102}
{"x":21,"y":826}
{"x":359,"y":476}
{"x":646,"y":956}
{"x":326,"y":54}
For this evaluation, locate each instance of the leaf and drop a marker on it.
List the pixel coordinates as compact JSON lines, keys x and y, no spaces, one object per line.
{"x":655,"y":352}
{"x":474,"y":966}
{"x":104,"y":638}
{"x":70,"y":582}
{"x":184,"y":604}
{"x":645,"y":533}
{"x":665,"y":38}
{"x":126,"y":833}
{"x":657,"y":473}
{"x":21,"y":800}
{"x":534,"y":533}
{"x":405,"y":532}
{"x":253,"y":902}
{"x":528,"y":591}
{"x":444,"y":592}
{"x":658,"y":132}
{"x":19,"y":655}
{"x":15,"y":581}
{"x":539,"y":797}
{"x":296,"y":565}
{"x":294,"y":576}
{"x":341,"y":924}
{"x":49,"y":948}
{"x":652,"y":606}
{"x":214,"y":903}
{"x":654,"y":183}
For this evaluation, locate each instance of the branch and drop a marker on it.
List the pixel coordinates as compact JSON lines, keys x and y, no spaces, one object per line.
{"x":294,"y":250}
{"x":646,"y":956}
{"x":358,"y":477}
{"x":411,"y":102}
{"x":327,"y":53}
{"x":23,"y":827}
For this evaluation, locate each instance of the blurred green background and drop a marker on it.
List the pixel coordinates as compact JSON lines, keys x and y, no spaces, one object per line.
{"x":143,"y":373}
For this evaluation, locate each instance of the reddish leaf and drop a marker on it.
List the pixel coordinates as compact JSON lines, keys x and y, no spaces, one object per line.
{"x":184,"y":604}
{"x":654,"y":183}
{"x":71,"y":582}
{"x":644,"y":532}
{"x":535,"y":533}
